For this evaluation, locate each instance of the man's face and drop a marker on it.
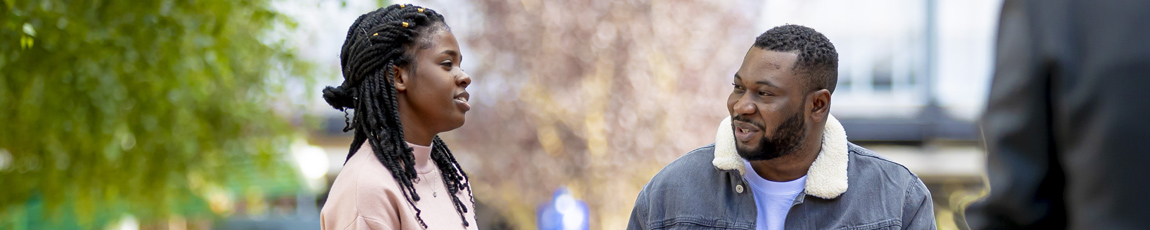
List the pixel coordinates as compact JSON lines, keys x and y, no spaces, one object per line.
{"x":767,"y":94}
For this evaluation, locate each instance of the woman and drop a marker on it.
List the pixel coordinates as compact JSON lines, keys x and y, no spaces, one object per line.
{"x":402,"y":78}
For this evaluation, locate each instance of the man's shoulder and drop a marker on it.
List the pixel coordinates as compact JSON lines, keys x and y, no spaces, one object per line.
{"x":700,"y":157}
{"x":868,"y":164}
{"x":695,"y":165}
{"x":692,"y":192}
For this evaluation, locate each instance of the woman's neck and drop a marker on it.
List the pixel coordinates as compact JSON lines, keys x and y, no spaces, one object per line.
{"x":415,"y":133}
{"x":422,"y":140}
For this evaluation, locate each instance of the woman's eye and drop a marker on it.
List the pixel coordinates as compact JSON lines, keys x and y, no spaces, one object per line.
{"x":446,"y":64}
{"x":737,"y":87}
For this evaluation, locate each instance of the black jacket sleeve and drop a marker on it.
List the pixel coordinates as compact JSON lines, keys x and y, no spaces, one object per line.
{"x":1025,"y":178}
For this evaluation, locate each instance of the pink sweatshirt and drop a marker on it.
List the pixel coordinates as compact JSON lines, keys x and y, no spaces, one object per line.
{"x":366,"y":196}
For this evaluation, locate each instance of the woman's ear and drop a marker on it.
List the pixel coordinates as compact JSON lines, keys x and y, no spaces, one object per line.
{"x":400,"y":79}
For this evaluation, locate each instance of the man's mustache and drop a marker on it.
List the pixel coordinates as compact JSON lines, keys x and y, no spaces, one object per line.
{"x":744,"y":119}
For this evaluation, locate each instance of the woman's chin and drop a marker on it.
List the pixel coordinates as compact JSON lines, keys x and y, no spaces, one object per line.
{"x":457,"y":122}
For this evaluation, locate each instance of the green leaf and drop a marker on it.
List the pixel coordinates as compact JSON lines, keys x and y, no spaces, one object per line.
{"x":140,"y":107}
{"x":29,"y":30}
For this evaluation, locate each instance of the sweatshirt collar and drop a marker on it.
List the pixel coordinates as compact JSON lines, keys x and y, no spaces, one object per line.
{"x":422,"y":154}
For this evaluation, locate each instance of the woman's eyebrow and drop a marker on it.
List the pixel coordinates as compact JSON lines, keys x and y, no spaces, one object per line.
{"x":450,"y":52}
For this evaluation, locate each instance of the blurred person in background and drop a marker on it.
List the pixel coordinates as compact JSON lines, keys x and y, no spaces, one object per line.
{"x":780,"y":146}
{"x":1065,"y":128}
{"x":402,"y":77}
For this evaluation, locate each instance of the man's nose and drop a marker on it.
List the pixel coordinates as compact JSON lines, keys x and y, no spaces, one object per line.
{"x":744,"y":106}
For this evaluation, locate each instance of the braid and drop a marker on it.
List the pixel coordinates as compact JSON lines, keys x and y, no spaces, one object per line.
{"x":389,"y":146}
{"x":453,"y":176}
{"x":376,"y":43}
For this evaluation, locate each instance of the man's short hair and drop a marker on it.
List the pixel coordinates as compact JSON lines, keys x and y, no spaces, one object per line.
{"x":817,"y":60}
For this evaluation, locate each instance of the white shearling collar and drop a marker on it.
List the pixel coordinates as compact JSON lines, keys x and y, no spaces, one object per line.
{"x":827,"y":177}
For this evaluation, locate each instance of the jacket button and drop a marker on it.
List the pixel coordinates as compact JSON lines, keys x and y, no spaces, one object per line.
{"x":739,"y":188}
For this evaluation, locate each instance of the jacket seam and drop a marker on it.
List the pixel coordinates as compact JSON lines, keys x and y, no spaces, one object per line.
{"x":713,"y":223}
{"x":875,"y":225}
{"x":644,"y":210}
{"x":908,"y":199}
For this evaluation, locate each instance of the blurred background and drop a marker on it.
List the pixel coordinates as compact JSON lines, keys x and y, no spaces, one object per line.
{"x":206,"y":114}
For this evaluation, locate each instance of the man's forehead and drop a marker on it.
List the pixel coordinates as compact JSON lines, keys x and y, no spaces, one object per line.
{"x":760,"y":62}
{"x":771,"y":60}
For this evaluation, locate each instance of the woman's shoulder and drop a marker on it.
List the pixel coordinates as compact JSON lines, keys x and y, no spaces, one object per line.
{"x":366,"y":188}
{"x":367,"y":173}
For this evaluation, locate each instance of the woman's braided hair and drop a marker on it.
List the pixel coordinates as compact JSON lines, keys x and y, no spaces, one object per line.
{"x":376,"y":43}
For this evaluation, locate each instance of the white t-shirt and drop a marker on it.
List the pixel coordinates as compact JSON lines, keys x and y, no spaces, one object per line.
{"x":772,"y":199}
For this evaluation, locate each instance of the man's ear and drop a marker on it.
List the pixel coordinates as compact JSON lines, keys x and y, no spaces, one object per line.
{"x":820,"y":102}
{"x":400,"y":79}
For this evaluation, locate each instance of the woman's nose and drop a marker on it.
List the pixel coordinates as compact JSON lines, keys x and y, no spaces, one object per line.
{"x":464,"y":80}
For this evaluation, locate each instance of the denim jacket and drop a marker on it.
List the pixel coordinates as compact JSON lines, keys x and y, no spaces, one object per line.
{"x":847,"y":187}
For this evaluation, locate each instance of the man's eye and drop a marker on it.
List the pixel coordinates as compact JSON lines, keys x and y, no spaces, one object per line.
{"x":737,"y":87}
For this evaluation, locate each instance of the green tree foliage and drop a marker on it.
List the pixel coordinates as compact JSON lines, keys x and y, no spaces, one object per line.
{"x":139,"y":106}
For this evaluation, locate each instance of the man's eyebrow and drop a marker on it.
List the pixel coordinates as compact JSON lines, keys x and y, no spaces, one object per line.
{"x":765,"y":82}
{"x":760,"y":82}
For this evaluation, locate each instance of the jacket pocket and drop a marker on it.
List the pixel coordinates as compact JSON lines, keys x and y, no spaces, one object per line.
{"x":888,"y":224}
{"x":693,"y":223}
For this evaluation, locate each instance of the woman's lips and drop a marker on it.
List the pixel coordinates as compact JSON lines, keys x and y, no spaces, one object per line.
{"x":461,"y":101}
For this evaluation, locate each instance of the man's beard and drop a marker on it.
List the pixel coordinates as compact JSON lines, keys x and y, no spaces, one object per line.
{"x":787,"y":139}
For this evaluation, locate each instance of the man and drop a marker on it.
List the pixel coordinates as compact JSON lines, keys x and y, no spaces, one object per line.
{"x":1065,"y":124}
{"x":781,"y":161}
